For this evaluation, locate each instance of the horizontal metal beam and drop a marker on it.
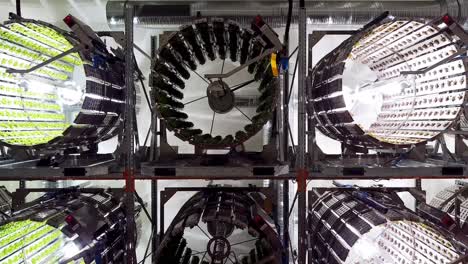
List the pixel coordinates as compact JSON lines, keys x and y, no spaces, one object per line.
{"x":319,"y":12}
{"x":56,"y":175}
{"x":291,"y":176}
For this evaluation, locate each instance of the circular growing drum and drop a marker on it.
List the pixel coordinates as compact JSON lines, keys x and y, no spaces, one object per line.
{"x":75,"y":100}
{"x":446,"y":202}
{"x":220,"y":112}
{"x":346,"y":228}
{"x":361,"y":95}
{"x":221,"y":226}
{"x":78,"y":228}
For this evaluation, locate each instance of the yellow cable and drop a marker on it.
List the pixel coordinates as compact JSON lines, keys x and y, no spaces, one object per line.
{"x":274,"y":65}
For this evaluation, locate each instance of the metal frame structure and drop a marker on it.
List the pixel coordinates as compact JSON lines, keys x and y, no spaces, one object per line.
{"x":165,"y":161}
{"x":308,"y":157}
{"x":30,"y":163}
{"x":165,"y":164}
{"x":416,"y":163}
{"x":348,"y":165}
{"x":112,"y":169}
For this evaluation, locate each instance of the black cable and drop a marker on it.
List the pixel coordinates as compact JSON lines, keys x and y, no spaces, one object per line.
{"x":147,"y":135}
{"x":289,"y":215}
{"x":140,"y":201}
{"x":292,"y":140}
{"x":288,"y":21}
{"x":294,"y":77}
{"x":294,"y":201}
{"x":294,"y":52}
{"x":143,"y":260}
{"x":148,"y":245}
{"x":292,"y":206}
{"x":235,"y":88}
{"x":291,"y":250}
{"x":140,"y":78}
{"x":18,"y":8}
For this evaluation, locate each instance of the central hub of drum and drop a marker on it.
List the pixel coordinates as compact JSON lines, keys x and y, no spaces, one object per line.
{"x":220,"y":98}
{"x":218,"y":249}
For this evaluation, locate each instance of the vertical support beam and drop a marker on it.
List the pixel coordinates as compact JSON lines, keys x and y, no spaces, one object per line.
{"x":129,"y":171}
{"x":285,"y":213}
{"x":309,"y":243}
{"x":153,"y":157}
{"x":418,"y":185}
{"x":154,"y":118}
{"x":278,"y":185}
{"x":283,"y":143}
{"x":162,"y":125}
{"x":457,"y":203}
{"x":162,"y":199}
{"x":154,"y":216}
{"x":281,"y":114}
{"x":311,"y":151}
{"x":301,"y":148}
{"x":22,"y":187}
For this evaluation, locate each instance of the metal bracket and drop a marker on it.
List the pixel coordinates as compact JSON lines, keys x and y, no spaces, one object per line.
{"x":446,"y":152}
{"x":142,"y":52}
{"x":461,"y":149}
{"x":167,"y":152}
{"x":418,"y":153}
{"x":270,"y":152}
{"x":271,"y":36}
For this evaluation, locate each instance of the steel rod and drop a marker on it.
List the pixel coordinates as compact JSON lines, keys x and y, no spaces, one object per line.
{"x":238,"y":69}
{"x":196,"y":73}
{"x":143,"y":86}
{"x":142,"y":52}
{"x":292,"y":82}
{"x":212,"y":122}
{"x":42,"y":64}
{"x":244,"y":114}
{"x":238,"y":86}
{"x":203,"y":231}
{"x":193,"y":101}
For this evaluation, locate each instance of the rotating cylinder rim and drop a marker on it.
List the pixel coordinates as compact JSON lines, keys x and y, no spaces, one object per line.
{"x":58,"y":141}
{"x":192,"y":139}
{"x":371,"y":141}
